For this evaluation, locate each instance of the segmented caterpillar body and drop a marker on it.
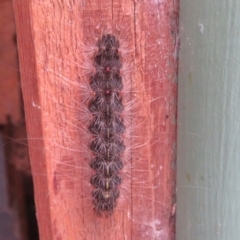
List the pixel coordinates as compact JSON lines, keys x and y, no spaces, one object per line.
{"x":107,"y":124}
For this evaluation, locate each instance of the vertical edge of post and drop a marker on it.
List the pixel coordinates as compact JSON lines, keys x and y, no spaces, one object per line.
{"x":33,"y":117}
{"x":156,"y":29}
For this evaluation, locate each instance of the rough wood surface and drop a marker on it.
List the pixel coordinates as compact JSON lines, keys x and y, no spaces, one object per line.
{"x":50,"y":37}
{"x":10,"y":103}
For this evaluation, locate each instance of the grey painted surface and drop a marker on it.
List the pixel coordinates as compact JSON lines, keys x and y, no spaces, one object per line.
{"x":208,"y":165}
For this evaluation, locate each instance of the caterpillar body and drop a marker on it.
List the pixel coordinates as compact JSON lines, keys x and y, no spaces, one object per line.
{"x":107,"y":125}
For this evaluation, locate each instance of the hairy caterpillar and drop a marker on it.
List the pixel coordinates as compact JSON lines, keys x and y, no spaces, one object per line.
{"x":107,"y":125}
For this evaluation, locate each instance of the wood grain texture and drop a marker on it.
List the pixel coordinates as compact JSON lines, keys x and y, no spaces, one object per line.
{"x":208,"y":194}
{"x":50,"y":70}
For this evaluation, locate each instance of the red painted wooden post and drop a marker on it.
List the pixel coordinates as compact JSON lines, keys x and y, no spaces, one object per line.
{"x":51,"y":35}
